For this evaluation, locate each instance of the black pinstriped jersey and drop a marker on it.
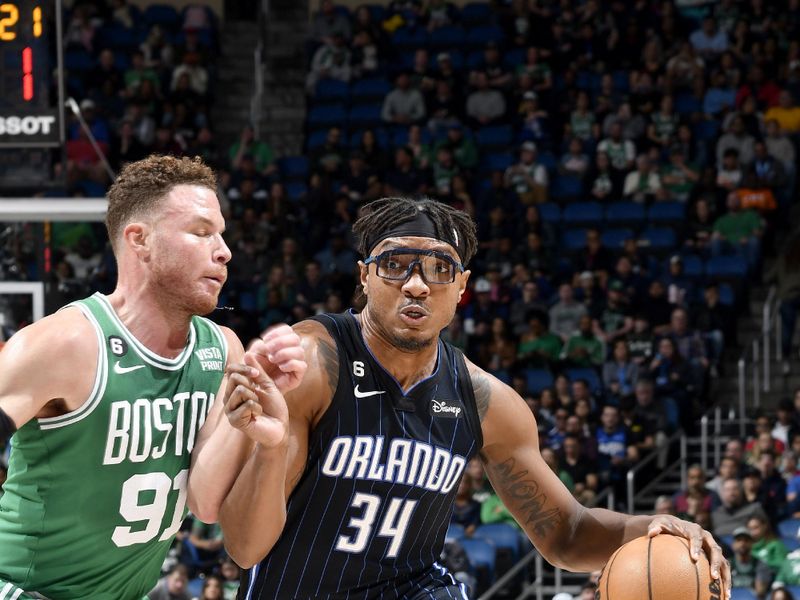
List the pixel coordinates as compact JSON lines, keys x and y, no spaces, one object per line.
{"x":369,"y":515}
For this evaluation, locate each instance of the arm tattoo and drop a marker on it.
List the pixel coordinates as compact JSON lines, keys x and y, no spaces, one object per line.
{"x":527,"y":500}
{"x":483,"y":393}
{"x":330,"y":362}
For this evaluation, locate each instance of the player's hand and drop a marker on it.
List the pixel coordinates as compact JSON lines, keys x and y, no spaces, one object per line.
{"x":254,"y":404}
{"x":281,"y":356}
{"x":700,"y":541}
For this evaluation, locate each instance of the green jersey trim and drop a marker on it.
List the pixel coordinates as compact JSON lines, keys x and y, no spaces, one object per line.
{"x":223,"y":341}
{"x":150,"y":357}
{"x":98,"y":389}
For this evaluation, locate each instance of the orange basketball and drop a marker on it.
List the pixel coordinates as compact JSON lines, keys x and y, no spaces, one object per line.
{"x":657,"y":568}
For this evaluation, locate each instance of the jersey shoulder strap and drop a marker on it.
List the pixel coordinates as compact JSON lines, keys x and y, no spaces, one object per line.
{"x":464,"y":383}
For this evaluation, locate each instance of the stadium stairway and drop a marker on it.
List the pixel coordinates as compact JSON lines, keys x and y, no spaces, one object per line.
{"x":283,"y":100}
{"x":725,"y":393}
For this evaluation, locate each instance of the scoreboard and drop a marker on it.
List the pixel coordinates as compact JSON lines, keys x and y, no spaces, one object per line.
{"x":31,"y":85}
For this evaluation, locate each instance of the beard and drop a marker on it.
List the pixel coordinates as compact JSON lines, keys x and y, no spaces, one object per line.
{"x":185,"y":296}
{"x":409,"y":344}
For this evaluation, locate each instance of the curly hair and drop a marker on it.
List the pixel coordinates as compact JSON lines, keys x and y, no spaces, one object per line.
{"x":382,"y":215}
{"x":143,"y":184}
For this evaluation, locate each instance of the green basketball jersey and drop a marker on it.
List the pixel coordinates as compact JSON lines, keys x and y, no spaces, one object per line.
{"x":94,"y":497}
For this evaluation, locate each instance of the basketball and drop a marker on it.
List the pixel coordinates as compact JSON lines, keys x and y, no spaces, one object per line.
{"x":657,"y":568}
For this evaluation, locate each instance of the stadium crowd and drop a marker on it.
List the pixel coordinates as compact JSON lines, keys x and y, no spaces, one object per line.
{"x":628,"y":165}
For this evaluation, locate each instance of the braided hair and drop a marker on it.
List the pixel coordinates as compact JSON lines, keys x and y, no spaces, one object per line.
{"x":380,"y":216}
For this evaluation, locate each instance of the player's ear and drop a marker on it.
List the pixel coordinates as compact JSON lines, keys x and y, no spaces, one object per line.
{"x":462,"y":279}
{"x":136,"y":236}
{"x":363,"y":271}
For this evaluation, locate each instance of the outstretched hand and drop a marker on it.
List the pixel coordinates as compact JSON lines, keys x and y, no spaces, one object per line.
{"x":254,"y":404}
{"x":700,"y":541}
{"x":281,"y":356}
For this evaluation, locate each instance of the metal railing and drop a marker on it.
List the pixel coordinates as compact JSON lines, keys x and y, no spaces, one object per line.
{"x":754,"y":368}
{"x":630,"y":477}
{"x":537,"y":587}
{"x":704,"y":438}
{"x":256,"y":100}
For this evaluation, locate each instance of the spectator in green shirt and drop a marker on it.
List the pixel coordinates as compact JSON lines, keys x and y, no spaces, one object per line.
{"x":261,"y":152}
{"x":738,"y":231}
{"x":679,"y":177}
{"x":538,"y":346}
{"x":584,"y":348}
{"x":139,"y":72}
{"x":767,"y":547}
{"x":789,"y":573}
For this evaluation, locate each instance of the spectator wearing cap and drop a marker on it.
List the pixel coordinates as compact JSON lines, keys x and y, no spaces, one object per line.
{"x":584,"y":348}
{"x":479,"y":314}
{"x":746,"y":570}
{"x":621,"y":152}
{"x":94,"y":120}
{"x":565,"y":315}
{"x":613,"y":321}
{"x":532,"y":119}
{"x":589,"y":293}
{"x":738,"y":231}
{"x":448,"y":73}
{"x":485,"y":105}
{"x":680,"y":289}
{"x":403,"y":105}
{"x":733,"y":511}
{"x":643,"y":184}
{"x":677,"y":176}
{"x":527,"y":178}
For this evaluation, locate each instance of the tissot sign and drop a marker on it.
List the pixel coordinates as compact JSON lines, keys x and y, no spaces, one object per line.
{"x":31,"y":129}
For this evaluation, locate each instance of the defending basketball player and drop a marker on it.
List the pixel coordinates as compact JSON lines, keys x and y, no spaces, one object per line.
{"x":107,"y":398}
{"x":381,"y":428}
